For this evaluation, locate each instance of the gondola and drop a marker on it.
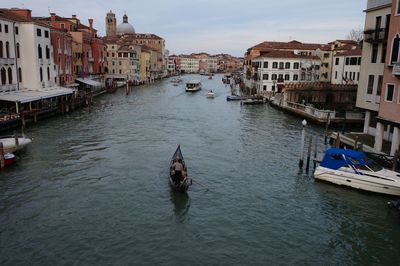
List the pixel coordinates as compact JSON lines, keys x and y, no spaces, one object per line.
{"x":183,"y":183}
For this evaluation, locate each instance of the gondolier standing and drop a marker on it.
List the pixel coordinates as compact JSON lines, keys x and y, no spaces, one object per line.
{"x":178,"y":169}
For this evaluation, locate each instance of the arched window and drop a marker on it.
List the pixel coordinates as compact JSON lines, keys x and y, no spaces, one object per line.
{"x":48,"y":73}
{"x":40,"y":51}
{"x":395,"y":50}
{"x":7,"y":49}
{"x":10,"y":77}
{"x":17,"y":50}
{"x":41,"y":74}
{"x":3,"y":76}
{"x":20,"y":74}
{"x":47,"y":52}
{"x":1,"y":49}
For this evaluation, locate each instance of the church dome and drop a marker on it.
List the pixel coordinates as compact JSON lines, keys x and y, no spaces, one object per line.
{"x":125,"y":27}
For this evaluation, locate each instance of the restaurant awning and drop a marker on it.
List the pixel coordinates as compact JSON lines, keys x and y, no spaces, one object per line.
{"x":89,"y":82}
{"x":31,"y":95}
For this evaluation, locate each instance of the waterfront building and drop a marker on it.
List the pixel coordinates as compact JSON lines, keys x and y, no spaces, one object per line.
{"x":272,"y":69}
{"x":207,"y":63}
{"x":388,"y":120}
{"x":125,"y":33}
{"x":346,"y":67}
{"x":189,"y":64}
{"x":145,"y":65}
{"x":377,"y":21}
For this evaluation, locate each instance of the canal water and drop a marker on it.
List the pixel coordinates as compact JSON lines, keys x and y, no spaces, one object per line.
{"x":92,"y":189}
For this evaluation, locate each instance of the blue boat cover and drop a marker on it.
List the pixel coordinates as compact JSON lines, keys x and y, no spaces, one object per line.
{"x":335,"y":158}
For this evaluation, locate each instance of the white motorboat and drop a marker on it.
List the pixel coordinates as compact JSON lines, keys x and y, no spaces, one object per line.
{"x":210,"y":94}
{"x":12,"y":145}
{"x":354,"y":169}
{"x":194,"y":85}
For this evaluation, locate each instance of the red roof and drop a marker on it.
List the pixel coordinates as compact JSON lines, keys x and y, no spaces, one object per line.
{"x":357,"y":52}
{"x":8,"y":14}
{"x":284,"y":55}
{"x":293,"y":45}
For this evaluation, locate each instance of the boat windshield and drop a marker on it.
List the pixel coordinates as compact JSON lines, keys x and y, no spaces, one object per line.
{"x":366,"y":164}
{"x":191,"y":85}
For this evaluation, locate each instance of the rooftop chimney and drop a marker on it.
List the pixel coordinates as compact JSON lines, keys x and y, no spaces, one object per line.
{"x":53,"y":16}
{"x":74,"y":16}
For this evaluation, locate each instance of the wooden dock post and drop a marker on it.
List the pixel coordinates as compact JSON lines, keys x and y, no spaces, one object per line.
{"x":309,"y":154}
{"x":337,"y":141}
{"x":303,"y":135}
{"x":315,"y":152}
{"x":328,"y":118}
{"x":16,"y":138}
{"x":395,"y":160}
{"x":1,"y":155}
{"x":356,"y":144}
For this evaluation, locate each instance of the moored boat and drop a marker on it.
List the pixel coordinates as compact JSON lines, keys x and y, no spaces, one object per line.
{"x":354,"y":169}
{"x":12,"y":145}
{"x":234,"y":98}
{"x":194,"y":85}
{"x":179,"y":181}
{"x":9,"y":159}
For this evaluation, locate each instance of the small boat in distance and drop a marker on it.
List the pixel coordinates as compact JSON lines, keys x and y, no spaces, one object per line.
{"x":210,"y":94}
{"x":354,"y":169}
{"x":192,"y":86}
{"x":181,"y":182}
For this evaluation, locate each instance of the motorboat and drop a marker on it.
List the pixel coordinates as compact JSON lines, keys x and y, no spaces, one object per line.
{"x":14,"y":144}
{"x":192,"y":86}
{"x":234,"y":98}
{"x":183,"y":182}
{"x":254,"y":101}
{"x":210,"y":94}
{"x":176,"y":80}
{"x":354,"y":169}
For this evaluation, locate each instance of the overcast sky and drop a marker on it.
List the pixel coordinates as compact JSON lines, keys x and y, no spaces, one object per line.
{"x":215,"y":26}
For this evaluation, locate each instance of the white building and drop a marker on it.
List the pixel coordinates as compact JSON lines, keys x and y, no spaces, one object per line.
{"x":274,"y":68}
{"x":31,"y":54}
{"x":190,"y":64}
{"x":346,"y":67}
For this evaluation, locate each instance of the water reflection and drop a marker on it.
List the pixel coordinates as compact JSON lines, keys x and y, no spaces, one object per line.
{"x":181,"y":203}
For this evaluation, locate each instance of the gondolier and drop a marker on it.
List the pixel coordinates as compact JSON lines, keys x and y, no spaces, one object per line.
{"x":178,"y":172}
{"x":178,"y":169}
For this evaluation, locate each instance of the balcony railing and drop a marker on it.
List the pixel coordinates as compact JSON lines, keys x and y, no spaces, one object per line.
{"x":396,"y":69}
{"x":8,"y":87}
{"x":7,"y":61}
{"x":376,"y":35}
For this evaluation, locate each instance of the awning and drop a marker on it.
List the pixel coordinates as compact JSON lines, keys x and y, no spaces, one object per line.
{"x":89,"y":82}
{"x":30,"y":95}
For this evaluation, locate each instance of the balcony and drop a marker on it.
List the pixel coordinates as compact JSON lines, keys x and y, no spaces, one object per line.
{"x":376,"y":35}
{"x":8,"y":87}
{"x":7,"y":61}
{"x":396,"y":69}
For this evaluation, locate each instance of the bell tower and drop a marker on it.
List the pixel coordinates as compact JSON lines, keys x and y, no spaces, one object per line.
{"x":111,"y":24}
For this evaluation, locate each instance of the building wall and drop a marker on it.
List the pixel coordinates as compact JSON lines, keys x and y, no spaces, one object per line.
{"x":8,"y":62}
{"x":344,"y":72}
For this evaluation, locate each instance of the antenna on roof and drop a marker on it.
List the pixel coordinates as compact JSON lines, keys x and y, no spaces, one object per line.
{"x":48,"y":8}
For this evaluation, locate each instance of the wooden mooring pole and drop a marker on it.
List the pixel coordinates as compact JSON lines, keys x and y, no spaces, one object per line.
{"x":328,"y":118}
{"x":303,"y":135}
{"x":395,"y":160}
{"x":309,"y":154}
{"x":315,"y":152}
{"x":356,"y":144}
{"x":1,"y":155}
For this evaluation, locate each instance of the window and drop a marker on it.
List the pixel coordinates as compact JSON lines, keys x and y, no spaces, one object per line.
{"x":281,"y":64}
{"x":395,"y":50}
{"x":119,"y":54}
{"x":335,"y":74}
{"x":265,"y":64}
{"x":7,"y":50}
{"x":287,"y":65}
{"x":20,"y":74}
{"x":265,"y":76}
{"x":280,"y":77}
{"x":41,"y":74}
{"x":10,"y":77}
{"x":389,"y":92}
{"x":113,"y":63}
{"x":48,"y":73}
{"x":1,"y":28}
{"x":383,"y":55}
{"x":16,"y":30}
{"x":5,"y":28}
{"x":287,"y":77}
{"x":120,"y":63}
{"x":296,"y":66}
{"x":3,"y":76}
{"x":120,"y":71}
{"x":39,"y":51}
{"x":379,"y":88}
{"x":265,"y":87}
{"x":46,"y":34}
{"x":17,"y":50}
{"x":398,"y":7}
{"x":353,"y":61}
{"x":347,"y":61}
{"x":374,"y":54}
{"x":358,"y":76}
{"x":47,"y":52}
{"x":275,"y":65}
{"x":1,"y":49}
{"x":273,"y":76}
{"x":62,"y":25}
{"x":370,"y":88}
{"x":295,"y":77}
{"x":38,"y":32}
{"x":326,"y":55}
{"x":336,"y":61}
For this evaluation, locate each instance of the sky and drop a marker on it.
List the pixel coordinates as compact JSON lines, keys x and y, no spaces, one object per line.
{"x":216,"y":26}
